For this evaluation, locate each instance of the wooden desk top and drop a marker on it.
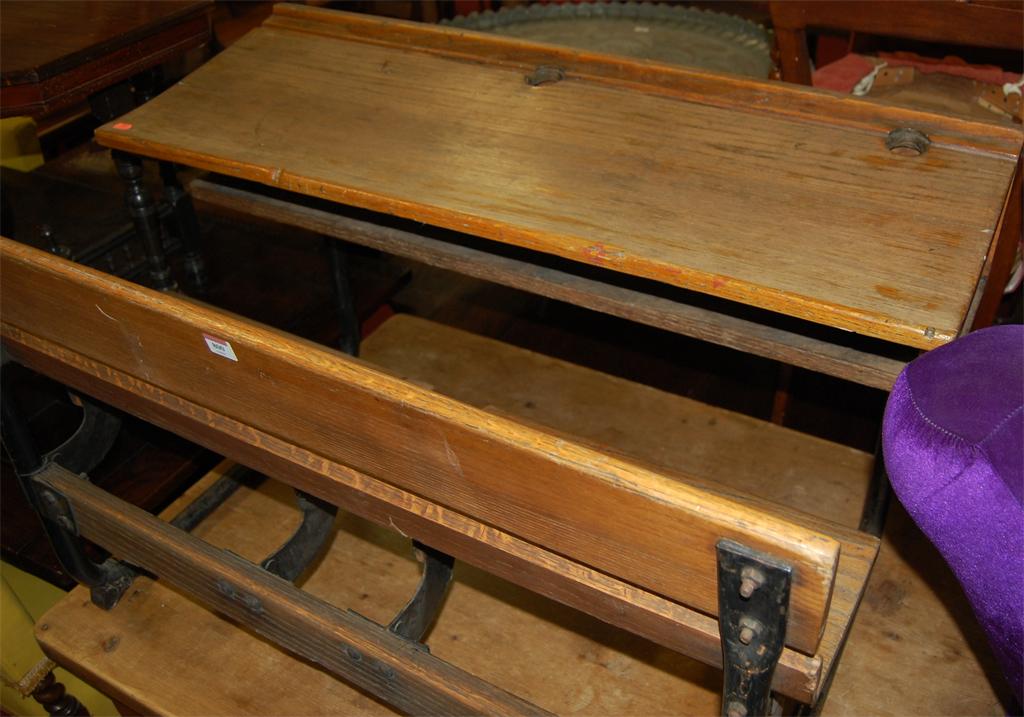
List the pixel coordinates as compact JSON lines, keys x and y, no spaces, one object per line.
{"x":766,"y":194}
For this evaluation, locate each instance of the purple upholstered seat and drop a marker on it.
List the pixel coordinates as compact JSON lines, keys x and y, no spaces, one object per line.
{"x":953,"y":439}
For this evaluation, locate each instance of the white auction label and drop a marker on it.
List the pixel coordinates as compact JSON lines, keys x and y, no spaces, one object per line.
{"x":219,"y":347}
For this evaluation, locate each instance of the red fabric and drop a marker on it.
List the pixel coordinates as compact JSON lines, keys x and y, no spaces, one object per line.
{"x":842,"y":75}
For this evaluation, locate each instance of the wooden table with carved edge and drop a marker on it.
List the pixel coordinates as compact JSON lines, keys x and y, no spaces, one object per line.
{"x":834,"y":234}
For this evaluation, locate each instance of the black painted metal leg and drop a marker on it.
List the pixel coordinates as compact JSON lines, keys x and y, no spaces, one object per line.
{"x":107,"y":581}
{"x":876,"y":503}
{"x":753,"y":601}
{"x":344,"y":298}
{"x":185,"y":225}
{"x":145,"y":215}
{"x":209,"y":500}
{"x":310,"y":538}
{"x":413,"y":620}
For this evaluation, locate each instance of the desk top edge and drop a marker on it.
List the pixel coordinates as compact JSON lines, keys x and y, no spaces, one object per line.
{"x":689,"y":84}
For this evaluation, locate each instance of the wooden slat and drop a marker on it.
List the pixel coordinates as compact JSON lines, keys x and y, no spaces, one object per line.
{"x":366,"y":654}
{"x":538,"y":486}
{"x":818,"y":222}
{"x":789,"y":347}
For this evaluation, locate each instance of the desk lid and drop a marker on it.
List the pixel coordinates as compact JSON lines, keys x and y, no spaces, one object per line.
{"x":767,"y":194}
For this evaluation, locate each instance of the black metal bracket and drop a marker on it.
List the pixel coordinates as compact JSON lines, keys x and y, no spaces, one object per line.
{"x":291,"y":559}
{"x":413,"y":620}
{"x":90,"y":442}
{"x":107,"y":581}
{"x":753,"y":602}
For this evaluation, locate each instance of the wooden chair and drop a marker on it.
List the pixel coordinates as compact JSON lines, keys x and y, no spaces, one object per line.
{"x":632,"y":545}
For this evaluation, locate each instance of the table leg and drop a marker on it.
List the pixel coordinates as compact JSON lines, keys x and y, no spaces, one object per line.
{"x":186,"y":226}
{"x":145,"y":215}
{"x":876,"y":503}
{"x":344,"y":298}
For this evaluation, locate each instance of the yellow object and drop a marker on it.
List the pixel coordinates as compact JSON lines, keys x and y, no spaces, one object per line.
{"x":19,"y":144}
{"x":23,"y":599}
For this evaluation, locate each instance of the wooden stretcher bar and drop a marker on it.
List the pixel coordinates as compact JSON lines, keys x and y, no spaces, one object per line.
{"x":399,"y":671}
{"x":790,"y":347}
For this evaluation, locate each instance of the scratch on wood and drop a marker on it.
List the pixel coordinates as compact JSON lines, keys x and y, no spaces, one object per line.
{"x":452,"y":458}
{"x":100,"y":309}
{"x":397,"y":529}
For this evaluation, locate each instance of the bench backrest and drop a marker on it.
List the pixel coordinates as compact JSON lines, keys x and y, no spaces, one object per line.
{"x":627,"y":521}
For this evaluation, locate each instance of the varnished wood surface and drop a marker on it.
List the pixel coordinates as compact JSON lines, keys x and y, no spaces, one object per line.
{"x":912,"y":650}
{"x":724,"y":446}
{"x":813,"y":220}
{"x":530,"y":273}
{"x":536,"y":485}
{"x":393,"y":668}
{"x":619,"y":603}
{"x":679,"y":435}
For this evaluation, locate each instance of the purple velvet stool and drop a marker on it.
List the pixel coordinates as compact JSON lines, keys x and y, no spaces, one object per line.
{"x":953,"y":439}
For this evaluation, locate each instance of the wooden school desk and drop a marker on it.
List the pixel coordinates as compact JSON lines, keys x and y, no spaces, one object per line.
{"x":831,"y":233}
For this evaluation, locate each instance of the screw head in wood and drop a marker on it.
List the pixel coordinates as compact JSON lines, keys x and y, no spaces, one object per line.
{"x":907,"y":141}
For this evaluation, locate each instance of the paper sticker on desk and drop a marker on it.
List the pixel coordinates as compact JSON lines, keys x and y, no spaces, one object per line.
{"x":219,"y":347}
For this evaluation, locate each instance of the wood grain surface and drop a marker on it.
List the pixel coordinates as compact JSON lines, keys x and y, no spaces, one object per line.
{"x":651,"y":426}
{"x":537,"y":485}
{"x":396,"y":670}
{"x":811,"y":220}
{"x":607,"y":598}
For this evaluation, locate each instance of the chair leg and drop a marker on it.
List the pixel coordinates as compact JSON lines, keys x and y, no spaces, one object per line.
{"x":56,"y":700}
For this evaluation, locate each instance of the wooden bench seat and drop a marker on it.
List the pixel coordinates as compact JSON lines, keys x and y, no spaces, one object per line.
{"x":600,"y":669}
{"x":630,"y":543}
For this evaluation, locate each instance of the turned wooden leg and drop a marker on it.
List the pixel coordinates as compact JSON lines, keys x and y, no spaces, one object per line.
{"x":55,"y":699}
{"x":144,"y":213}
{"x":186,"y":225}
